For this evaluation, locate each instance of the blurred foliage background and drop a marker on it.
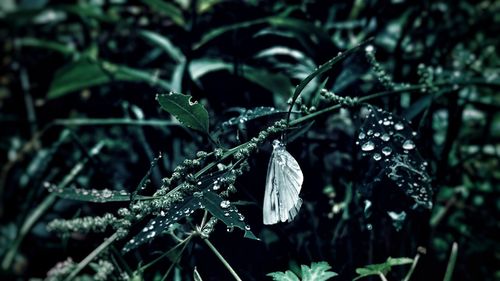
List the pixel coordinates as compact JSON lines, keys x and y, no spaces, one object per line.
{"x":78,"y":83}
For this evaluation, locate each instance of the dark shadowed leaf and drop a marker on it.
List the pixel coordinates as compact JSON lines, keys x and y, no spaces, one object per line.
{"x":227,"y":213}
{"x":163,"y":221}
{"x":166,"y":8}
{"x":94,"y":195}
{"x":387,"y":140}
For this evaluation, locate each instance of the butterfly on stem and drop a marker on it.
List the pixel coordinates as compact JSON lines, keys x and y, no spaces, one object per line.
{"x":283,"y":183}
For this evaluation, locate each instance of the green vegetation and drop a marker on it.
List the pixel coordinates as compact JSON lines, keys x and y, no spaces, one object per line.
{"x":136,"y":137}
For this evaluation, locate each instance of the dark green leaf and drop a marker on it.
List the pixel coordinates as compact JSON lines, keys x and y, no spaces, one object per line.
{"x":283,"y":276}
{"x":168,"y":9}
{"x":165,"y":44}
{"x":190,"y":114}
{"x":64,"y":49}
{"x":387,"y":142}
{"x":94,"y":195}
{"x":83,"y":74}
{"x":322,"y":69}
{"x":163,"y":221}
{"x":227,"y":213}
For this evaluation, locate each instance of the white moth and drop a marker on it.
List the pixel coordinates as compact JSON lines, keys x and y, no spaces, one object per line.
{"x":283,"y":183}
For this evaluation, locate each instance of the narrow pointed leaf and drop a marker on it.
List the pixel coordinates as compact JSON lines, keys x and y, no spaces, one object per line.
{"x":83,"y":74}
{"x":94,"y":195}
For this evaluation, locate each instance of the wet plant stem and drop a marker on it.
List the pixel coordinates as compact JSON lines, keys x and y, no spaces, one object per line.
{"x":81,"y":265}
{"x":382,"y":276}
{"x":222,"y":259}
{"x":412,"y":268}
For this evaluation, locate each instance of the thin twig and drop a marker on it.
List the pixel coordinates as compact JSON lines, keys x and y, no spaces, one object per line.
{"x":451,"y":262}
{"x":222,"y":259}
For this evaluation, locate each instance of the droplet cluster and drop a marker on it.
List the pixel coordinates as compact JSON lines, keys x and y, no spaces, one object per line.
{"x":388,"y":141}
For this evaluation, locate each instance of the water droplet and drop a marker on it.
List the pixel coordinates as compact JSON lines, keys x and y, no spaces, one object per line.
{"x":377,"y":156}
{"x":408,"y":145}
{"x":377,"y":134}
{"x":362,"y":135}
{"x":247,"y":227}
{"x":369,"y":226}
{"x":385,"y":137}
{"x":230,"y":228}
{"x":386,"y":151}
{"x":387,"y":123}
{"x":370,"y":132}
{"x":225,"y":204}
{"x":216,"y":187}
{"x":368,"y":146}
{"x":106,"y":193}
{"x":399,"y":126}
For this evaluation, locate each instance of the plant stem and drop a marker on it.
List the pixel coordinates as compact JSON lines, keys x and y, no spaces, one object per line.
{"x":382,"y":276}
{"x":412,"y":268}
{"x":112,"y":122}
{"x":91,"y":256}
{"x":451,"y":262}
{"x":222,"y":259}
{"x":30,"y":221}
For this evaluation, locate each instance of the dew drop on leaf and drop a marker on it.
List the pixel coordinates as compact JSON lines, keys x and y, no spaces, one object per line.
{"x":386,"y":151}
{"x":399,"y":126}
{"x":368,"y":146}
{"x":385,"y":137}
{"x":377,"y":156}
{"x":408,"y":145}
{"x":225,"y":204}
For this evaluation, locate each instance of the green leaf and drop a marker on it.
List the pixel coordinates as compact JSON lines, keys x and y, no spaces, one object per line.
{"x":381,"y":268}
{"x":190,"y":114}
{"x":317,"y":272}
{"x":322,"y":69}
{"x":163,"y":221}
{"x":165,"y":44}
{"x":216,"y":32}
{"x":84,"y":73}
{"x":200,"y":67}
{"x":168,"y":9}
{"x":276,"y":83}
{"x":65,"y":49}
{"x":283,"y":276}
{"x":402,"y":163}
{"x":226,"y":212}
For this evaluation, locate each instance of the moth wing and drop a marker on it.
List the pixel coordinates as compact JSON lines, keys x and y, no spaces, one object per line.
{"x":284,"y":181}
{"x":290,"y":182}
{"x":271,"y":203}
